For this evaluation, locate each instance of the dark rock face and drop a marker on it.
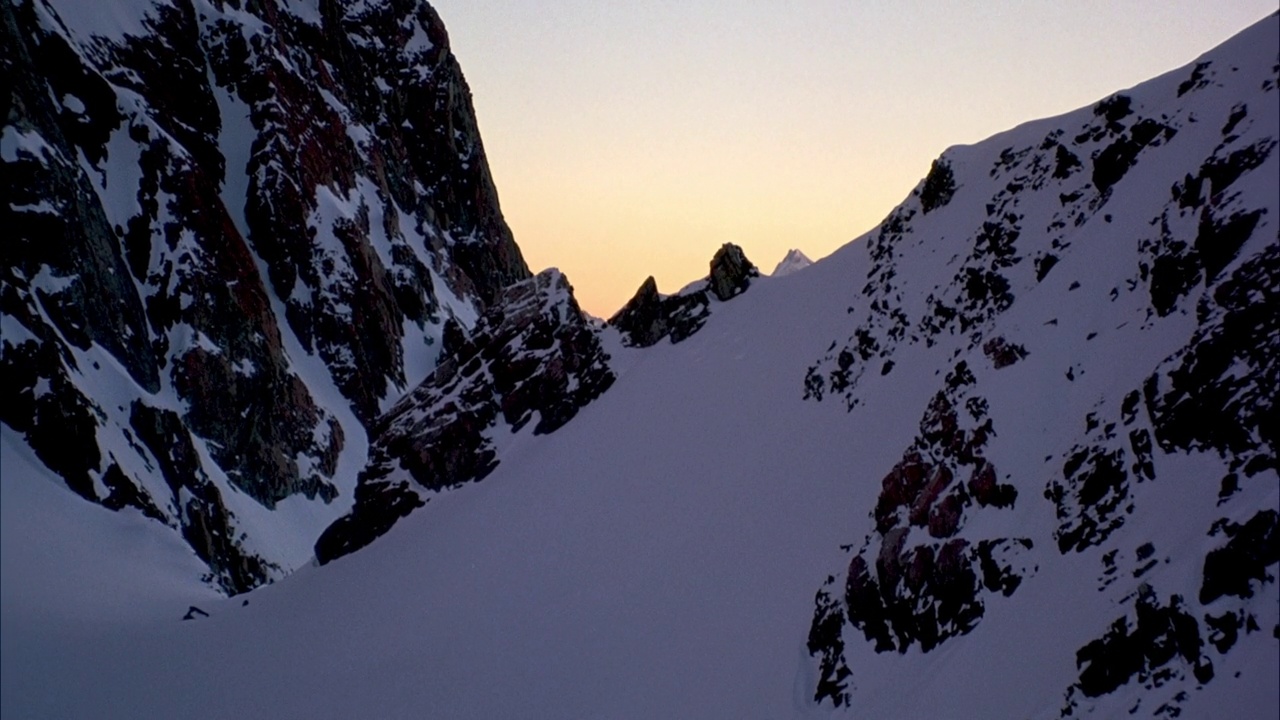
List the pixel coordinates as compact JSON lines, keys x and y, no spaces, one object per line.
{"x":1159,"y":644}
{"x":939,"y":186}
{"x":1250,"y":550}
{"x":1163,"y":641}
{"x":534,"y":355}
{"x":205,"y":521}
{"x":826,"y":642}
{"x":1093,"y":497}
{"x":400,"y":162}
{"x":1198,"y":399}
{"x":191,"y":200}
{"x":53,"y":215}
{"x":1002,"y":352}
{"x":913,"y":581}
{"x":731,"y":272}
{"x":643,"y":320}
{"x":649,"y":317}
{"x":1199,"y":237}
{"x":379,"y":505}
{"x":1113,"y":161}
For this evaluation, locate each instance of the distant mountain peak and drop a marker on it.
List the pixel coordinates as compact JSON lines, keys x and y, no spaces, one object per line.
{"x":794,"y":260}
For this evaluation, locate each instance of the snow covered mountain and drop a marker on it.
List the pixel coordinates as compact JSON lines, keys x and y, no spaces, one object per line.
{"x":1096,"y":299}
{"x":794,"y":260}
{"x":236,"y":234}
{"x":1012,"y":454}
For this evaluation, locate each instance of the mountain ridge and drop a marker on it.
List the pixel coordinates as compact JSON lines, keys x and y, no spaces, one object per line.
{"x":960,"y":434}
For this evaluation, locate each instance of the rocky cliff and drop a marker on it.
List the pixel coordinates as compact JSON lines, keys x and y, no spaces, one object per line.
{"x":534,"y":359}
{"x":236,"y":232}
{"x":243,"y":233}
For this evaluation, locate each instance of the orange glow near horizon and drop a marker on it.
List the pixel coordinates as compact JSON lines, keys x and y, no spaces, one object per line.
{"x":633,"y":139}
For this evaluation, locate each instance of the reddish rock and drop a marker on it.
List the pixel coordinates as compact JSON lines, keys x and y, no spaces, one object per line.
{"x":919,"y":568}
{"x":357,"y":181}
{"x":982,"y":484}
{"x":889,"y":561}
{"x":939,"y":480}
{"x":899,"y":489}
{"x":944,"y":518}
{"x":1002,"y":352}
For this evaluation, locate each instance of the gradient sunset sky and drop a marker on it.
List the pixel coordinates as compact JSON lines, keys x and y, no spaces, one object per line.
{"x":630,"y":139}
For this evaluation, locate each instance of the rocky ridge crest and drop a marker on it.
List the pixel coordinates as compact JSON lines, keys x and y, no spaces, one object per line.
{"x":648,"y":316}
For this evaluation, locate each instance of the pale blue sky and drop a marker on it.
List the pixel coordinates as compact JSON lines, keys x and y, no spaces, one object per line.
{"x":633,"y":138}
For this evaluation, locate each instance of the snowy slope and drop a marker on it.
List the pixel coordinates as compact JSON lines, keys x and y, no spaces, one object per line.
{"x":665,"y":571}
{"x":658,"y":556}
{"x":1093,"y":296}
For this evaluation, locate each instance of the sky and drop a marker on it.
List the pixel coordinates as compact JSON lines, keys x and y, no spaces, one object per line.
{"x":630,"y":139}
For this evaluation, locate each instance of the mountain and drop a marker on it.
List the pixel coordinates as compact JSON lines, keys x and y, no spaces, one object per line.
{"x":237,"y":232}
{"x":534,"y":355}
{"x":794,"y":260}
{"x":1010,"y":454}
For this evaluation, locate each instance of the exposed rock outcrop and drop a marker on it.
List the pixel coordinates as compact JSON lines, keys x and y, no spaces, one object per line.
{"x":939,"y":186}
{"x":205,"y":521}
{"x":1162,"y":643}
{"x":731,"y":272}
{"x":649,"y":317}
{"x":914,"y":581}
{"x":644,"y":319}
{"x":534,"y":358}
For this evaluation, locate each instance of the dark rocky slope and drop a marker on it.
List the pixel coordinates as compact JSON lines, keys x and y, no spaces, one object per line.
{"x":241,"y":234}
{"x":534,"y":359}
{"x":202,"y":203}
